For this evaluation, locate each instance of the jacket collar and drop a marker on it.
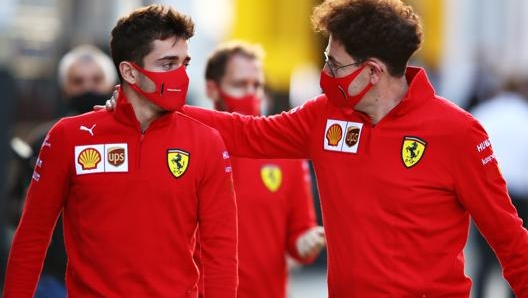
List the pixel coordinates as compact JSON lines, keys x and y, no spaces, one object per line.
{"x":124,"y":113}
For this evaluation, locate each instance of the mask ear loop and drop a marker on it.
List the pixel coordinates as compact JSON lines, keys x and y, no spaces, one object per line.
{"x":342,"y":92}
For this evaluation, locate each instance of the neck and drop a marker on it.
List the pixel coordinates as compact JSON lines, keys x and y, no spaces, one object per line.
{"x":383,"y":98}
{"x":145,"y":111}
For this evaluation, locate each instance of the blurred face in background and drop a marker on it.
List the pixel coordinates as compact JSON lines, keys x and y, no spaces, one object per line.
{"x":85,"y":85}
{"x":85,"y":75}
{"x":241,"y":89}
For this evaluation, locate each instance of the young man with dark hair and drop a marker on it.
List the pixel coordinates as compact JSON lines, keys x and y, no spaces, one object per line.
{"x":134,"y":184}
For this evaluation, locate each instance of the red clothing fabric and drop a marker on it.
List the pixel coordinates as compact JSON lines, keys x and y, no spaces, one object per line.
{"x":131,"y":203}
{"x":397,"y":196}
{"x":275,"y":206}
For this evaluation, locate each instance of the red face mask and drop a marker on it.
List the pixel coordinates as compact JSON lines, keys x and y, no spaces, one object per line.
{"x":247,"y":105}
{"x":171,"y":88}
{"x":336,"y":89}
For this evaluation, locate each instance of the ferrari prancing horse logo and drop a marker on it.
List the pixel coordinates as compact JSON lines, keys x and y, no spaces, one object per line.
{"x":178,"y":161}
{"x":271,"y":177}
{"x":412,"y":150}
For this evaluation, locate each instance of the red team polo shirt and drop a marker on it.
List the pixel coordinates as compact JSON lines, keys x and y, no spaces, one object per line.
{"x":396,"y":196}
{"x":131,"y":203}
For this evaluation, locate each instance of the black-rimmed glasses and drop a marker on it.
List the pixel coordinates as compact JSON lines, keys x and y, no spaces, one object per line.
{"x":334,"y":68}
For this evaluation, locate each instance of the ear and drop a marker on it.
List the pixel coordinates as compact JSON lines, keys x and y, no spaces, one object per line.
{"x":376,"y":70}
{"x":128,"y":72}
{"x":212,"y":90}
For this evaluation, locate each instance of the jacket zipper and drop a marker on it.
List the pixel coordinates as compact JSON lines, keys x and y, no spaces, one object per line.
{"x":140,"y":149}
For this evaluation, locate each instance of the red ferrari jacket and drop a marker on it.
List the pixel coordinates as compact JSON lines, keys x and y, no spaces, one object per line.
{"x":131,"y":202}
{"x":397,"y":196}
{"x":275,"y":206}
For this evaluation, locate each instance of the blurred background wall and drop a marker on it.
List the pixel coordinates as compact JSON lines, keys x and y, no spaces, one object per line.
{"x":464,"y":40}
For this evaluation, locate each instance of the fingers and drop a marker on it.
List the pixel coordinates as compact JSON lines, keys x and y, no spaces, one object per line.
{"x":110,"y":103}
{"x":311,"y":242}
{"x":109,"y":106}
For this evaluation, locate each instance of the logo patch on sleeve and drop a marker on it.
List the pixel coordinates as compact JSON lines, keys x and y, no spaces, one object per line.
{"x":271,"y":177}
{"x":342,"y":136}
{"x":412,"y":150}
{"x":100,"y":158}
{"x":178,"y":161}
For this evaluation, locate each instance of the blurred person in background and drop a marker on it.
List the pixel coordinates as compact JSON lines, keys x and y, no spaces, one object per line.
{"x":276,"y":213}
{"x":400,"y":170}
{"x":133,"y":185}
{"x":505,"y":118}
{"x":86,"y":76}
{"x":7,"y":89}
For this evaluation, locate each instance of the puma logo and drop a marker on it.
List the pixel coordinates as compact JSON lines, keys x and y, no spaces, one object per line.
{"x":90,"y":130}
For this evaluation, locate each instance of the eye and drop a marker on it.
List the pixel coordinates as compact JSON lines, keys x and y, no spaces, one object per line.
{"x":335,"y":64}
{"x":168,"y":65}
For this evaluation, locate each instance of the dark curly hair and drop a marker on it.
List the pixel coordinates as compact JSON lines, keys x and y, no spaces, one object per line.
{"x":132,"y":37}
{"x":385,"y":29}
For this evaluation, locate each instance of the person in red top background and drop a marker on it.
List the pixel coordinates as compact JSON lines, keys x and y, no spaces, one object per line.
{"x":275,"y":205}
{"x":134,"y":184}
{"x":400,"y":170}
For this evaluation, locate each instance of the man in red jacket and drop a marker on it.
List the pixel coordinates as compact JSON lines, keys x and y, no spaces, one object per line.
{"x":134,"y":184}
{"x":400,"y":170}
{"x":274,"y":200}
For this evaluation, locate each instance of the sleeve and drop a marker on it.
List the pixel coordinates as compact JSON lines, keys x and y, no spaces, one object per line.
{"x":301,"y":208}
{"x":285,"y":135}
{"x":482,"y":190}
{"x":218,"y":224}
{"x":44,"y":202}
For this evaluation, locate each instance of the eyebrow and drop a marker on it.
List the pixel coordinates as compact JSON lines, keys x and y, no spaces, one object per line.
{"x":332,"y":59}
{"x":173,"y":58}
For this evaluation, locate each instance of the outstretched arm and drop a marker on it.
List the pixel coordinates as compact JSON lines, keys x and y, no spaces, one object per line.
{"x":286,"y":135}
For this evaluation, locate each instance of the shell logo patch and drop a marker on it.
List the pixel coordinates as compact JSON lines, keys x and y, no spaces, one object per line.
{"x":342,"y":136}
{"x":178,"y":161}
{"x":89,"y":158}
{"x":412,"y":150}
{"x":334,"y":134}
{"x":101,"y":158}
{"x":271,"y":177}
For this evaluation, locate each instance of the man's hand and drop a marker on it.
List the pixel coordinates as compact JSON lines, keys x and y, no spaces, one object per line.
{"x":311,"y":242}
{"x":110,"y":103}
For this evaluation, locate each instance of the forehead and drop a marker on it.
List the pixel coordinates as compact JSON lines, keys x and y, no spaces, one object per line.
{"x":336,"y":49}
{"x":85,"y":67}
{"x":243,"y":67}
{"x":172,"y":46}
